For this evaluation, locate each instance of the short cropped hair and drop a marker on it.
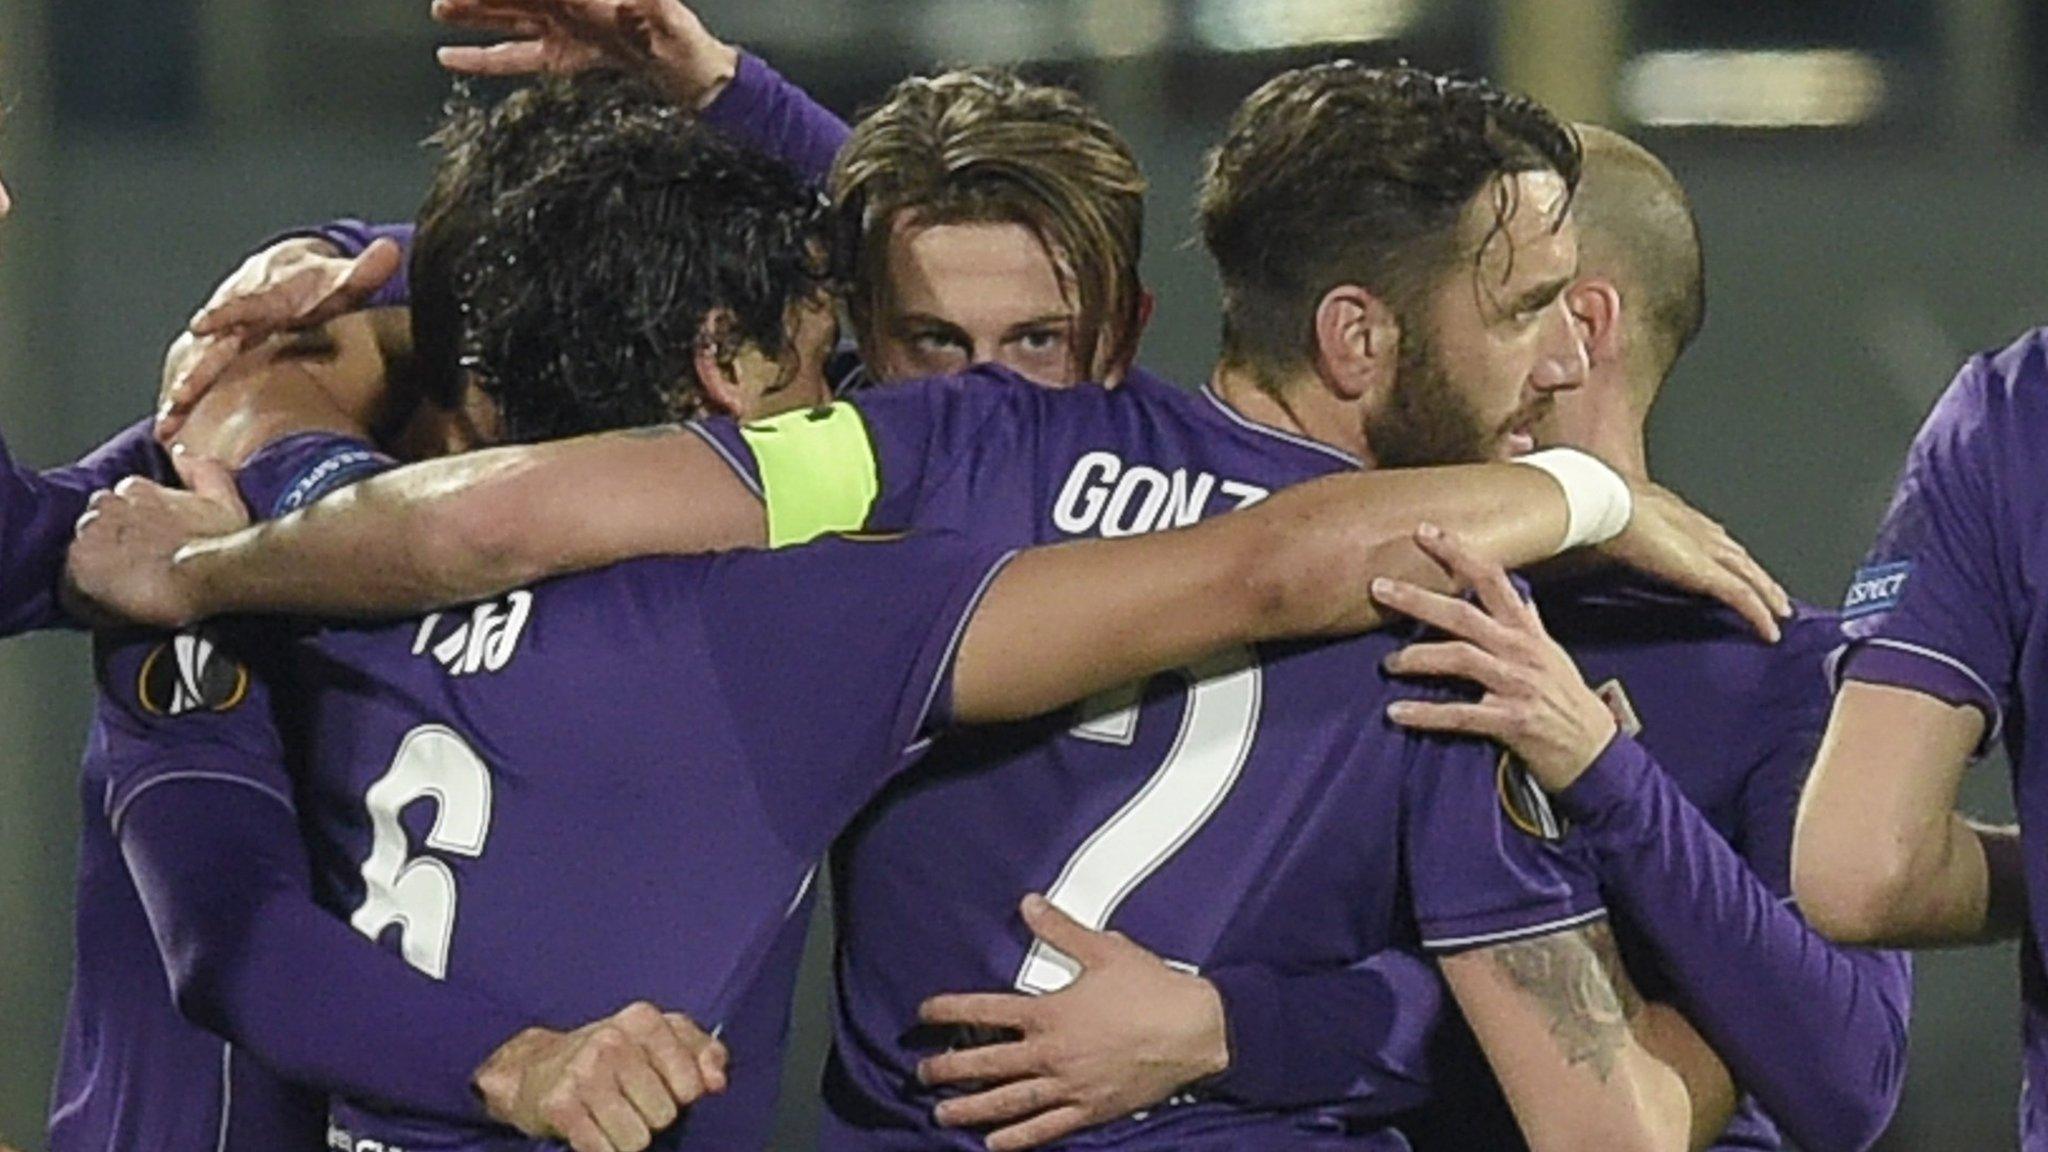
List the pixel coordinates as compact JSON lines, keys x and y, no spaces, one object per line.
{"x":983,"y":146}
{"x":583,"y":230}
{"x":1342,"y":174}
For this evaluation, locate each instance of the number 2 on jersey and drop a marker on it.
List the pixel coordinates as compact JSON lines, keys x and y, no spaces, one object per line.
{"x":1217,"y":725}
{"x":418,"y":895}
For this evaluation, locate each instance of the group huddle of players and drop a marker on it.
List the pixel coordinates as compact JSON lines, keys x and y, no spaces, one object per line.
{"x":1189,"y":769}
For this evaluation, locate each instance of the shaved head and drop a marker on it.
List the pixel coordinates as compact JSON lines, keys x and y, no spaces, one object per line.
{"x":1636,"y":229}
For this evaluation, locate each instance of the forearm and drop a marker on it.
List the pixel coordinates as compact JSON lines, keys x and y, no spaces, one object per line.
{"x":1816,"y":1031}
{"x":37,"y":513}
{"x":222,"y":875}
{"x":760,"y":108}
{"x":1359,"y":1034}
{"x":1064,"y":622}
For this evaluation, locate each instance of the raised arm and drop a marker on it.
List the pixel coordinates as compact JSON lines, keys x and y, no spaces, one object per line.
{"x":666,"y":42}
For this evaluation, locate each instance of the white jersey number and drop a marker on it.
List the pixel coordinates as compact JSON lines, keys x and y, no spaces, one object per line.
{"x":418,"y":895}
{"x":1217,"y":726}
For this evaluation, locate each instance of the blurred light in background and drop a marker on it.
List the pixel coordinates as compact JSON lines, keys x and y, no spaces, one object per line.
{"x":1255,"y":25}
{"x":1821,"y":88}
{"x":1122,"y":28}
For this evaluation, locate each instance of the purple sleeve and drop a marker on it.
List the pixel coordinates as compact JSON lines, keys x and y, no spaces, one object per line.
{"x":37,"y":512}
{"x":201,"y":804}
{"x":350,"y":238}
{"x":1816,"y":1032}
{"x":857,"y":637}
{"x":912,"y":446}
{"x":1359,"y":1034}
{"x":1487,"y":861}
{"x":1942,"y":600}
{"x":762,"y":109}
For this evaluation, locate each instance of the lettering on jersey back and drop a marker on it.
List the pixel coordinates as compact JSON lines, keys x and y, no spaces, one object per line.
{"x":1104,"y":496}
{"x":482,"y":640}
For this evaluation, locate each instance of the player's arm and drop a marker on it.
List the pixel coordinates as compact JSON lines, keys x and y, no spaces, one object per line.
{"x":664,"y":41}
{"x":1583,"y":1060}
{"x":37,"y":509}
{"x":1881,"y":855}
{"x":1064,"y":622}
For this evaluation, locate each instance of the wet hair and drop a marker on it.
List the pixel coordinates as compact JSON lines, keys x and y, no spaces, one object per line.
{"x":984,"y":146}
{"x":1342,"y":174}
{"x":1637,"y":228}
{"x":578,"y":237}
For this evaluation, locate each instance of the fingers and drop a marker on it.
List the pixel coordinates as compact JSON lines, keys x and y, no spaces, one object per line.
{"x":1489,"y":721}
{"x":206,"y":477}
{"x":651,"y":1096}
{"x":1003,"y":1102}
{"x":1723,"y":585}
{"x":192,"y":381}
{"x":1041,"y":1129}
{"x":1455,"y":659}
{"x":666,"y":1063}
{"x":990,"y":1062}
{"x":366,"y":273}
{"x":1746,"y":567}
{"x":978,"y":1009}
{"x":1445,"y":613}
{"x":513,"y":58}
{"x":619,"y":1120}
{"x":574,"y":1123}
{"x":706,"y":1055}
{"x":1065,"y":933}
{"x":1496,"y":592}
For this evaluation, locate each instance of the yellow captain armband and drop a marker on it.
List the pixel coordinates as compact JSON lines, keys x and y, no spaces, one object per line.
{"x":818,"y":470}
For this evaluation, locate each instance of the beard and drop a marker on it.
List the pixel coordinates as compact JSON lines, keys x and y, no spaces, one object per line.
{"x":1428,"y":421}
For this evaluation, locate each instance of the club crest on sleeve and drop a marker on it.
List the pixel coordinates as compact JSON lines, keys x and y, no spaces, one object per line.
{"x":1876,"y":588}
{"x":189,"y":673}
{"x":1614,"y":694}
{"x":1524,"y":801}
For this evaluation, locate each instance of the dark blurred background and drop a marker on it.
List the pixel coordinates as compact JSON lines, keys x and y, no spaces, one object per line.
{"x":1867,"y":172}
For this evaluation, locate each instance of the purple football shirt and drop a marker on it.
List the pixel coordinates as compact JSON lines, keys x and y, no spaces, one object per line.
{"x":616,"y":786}
{"x":1257,"y":810}
{"x":1694,"y":851}
{"x":1947,"y":605}
{"x":37,"y":511}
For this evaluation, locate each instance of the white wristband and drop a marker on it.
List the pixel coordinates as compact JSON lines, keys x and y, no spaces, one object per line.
{"x":1597,"y":500}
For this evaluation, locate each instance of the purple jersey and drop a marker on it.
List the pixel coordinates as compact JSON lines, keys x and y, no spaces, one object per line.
{"x":1947,"y":605}
{"x":1255,"y":810}
{"x":1816,"y":1031}
{"x":611,"y":787}
{"x":131,"y":1072}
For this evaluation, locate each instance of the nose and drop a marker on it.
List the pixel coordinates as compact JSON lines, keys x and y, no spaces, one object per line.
{"x":1561,"y":359}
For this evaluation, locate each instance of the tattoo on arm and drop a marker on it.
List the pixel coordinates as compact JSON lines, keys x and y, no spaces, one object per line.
{"x":1578,"y":978}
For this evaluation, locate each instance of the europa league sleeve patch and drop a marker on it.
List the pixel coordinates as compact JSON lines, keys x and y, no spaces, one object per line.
{"x":190,"y":673}
{"x":1525,"y":802}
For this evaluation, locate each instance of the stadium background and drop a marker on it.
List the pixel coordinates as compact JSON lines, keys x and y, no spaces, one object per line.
{"x":1866,"y":171}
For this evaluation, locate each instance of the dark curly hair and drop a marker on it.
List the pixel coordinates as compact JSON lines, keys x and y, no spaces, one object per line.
{"x":577,"y":237}
{"x":1342,"y":174}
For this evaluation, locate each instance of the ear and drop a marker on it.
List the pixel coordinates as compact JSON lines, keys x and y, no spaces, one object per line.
{"x":716,"y":360}
{"x":1596,"y":307}
{"x":1358,"y":341}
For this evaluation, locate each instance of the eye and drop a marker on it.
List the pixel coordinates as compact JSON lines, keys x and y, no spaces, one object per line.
{"x":1043,"y":340}
{"x":928,"y":343}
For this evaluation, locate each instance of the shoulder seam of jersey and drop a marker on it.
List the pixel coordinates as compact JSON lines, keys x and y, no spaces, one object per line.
{"x":1253,"y":426}
{"x":120,"y":810}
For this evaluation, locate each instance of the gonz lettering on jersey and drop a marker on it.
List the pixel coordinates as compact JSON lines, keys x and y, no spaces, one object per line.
{"x":1105,"y":496}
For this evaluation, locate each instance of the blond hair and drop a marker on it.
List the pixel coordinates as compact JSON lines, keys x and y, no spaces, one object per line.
{"x":983,"y":146}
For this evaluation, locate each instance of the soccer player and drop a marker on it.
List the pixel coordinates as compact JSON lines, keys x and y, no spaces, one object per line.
{"x":216,"y":873}
{"x":1364,"y":383}
{"x":1001,"y":221}
{"x":1695,"y":859}
{"x":416,"y":711}
{"x":1944,"y":662}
